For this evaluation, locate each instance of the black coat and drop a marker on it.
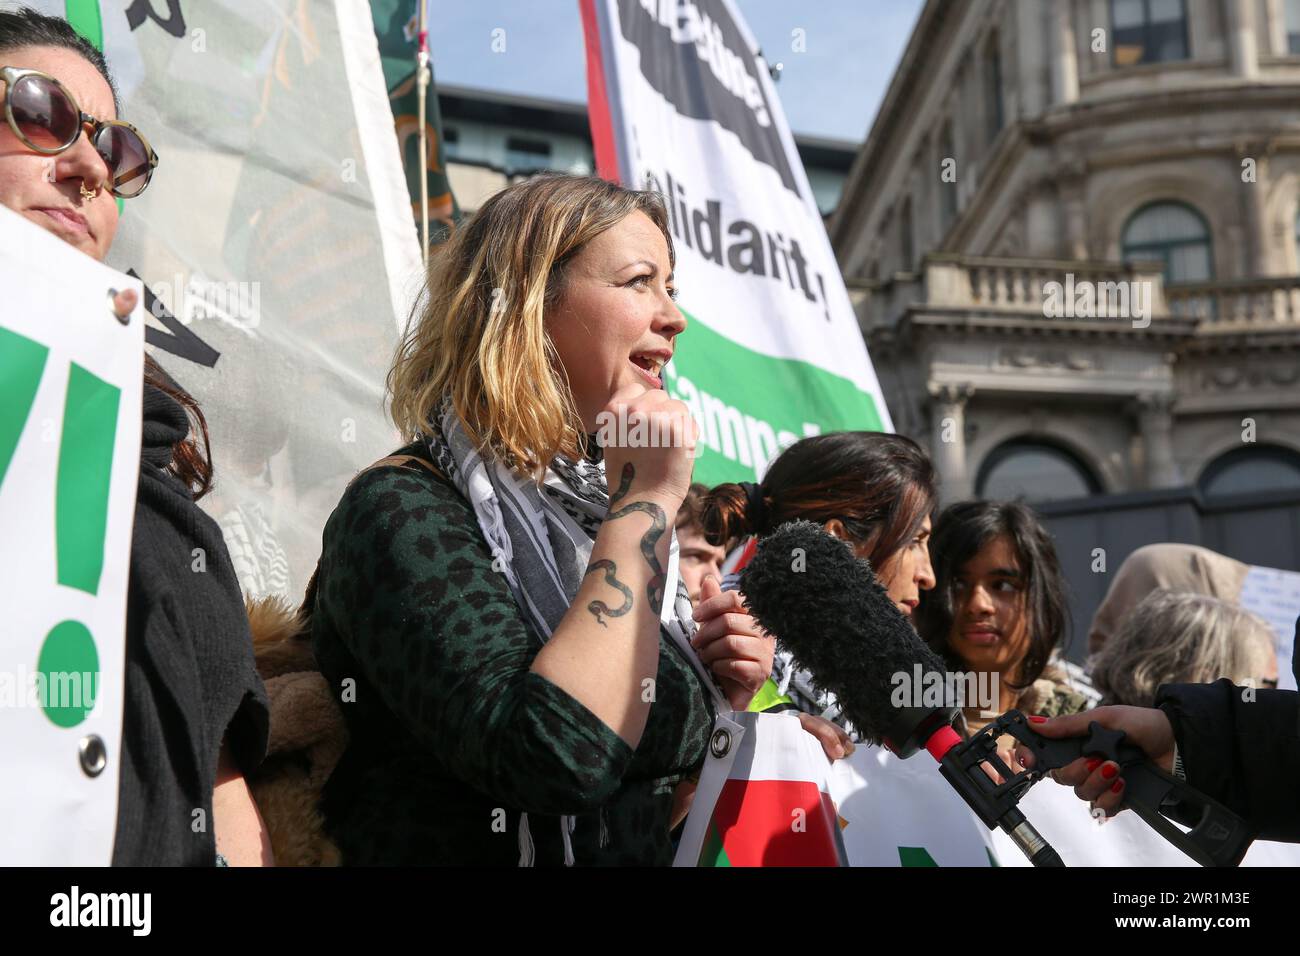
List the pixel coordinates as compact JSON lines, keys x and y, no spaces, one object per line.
{"x":1241,"y":747}
{"x":190,"y":675}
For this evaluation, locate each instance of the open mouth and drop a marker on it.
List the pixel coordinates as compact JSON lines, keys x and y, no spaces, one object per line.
{"x":650,"y":367}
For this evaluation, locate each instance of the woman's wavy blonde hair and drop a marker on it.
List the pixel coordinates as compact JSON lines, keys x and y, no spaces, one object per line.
{"x":479,"y":334}
{"x":1173,"y":637}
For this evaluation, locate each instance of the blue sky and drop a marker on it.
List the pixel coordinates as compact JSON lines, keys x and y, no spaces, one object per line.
{"x":832,"y":89}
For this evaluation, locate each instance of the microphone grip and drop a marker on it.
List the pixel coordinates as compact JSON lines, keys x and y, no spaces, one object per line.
{"x":1218,"y":837}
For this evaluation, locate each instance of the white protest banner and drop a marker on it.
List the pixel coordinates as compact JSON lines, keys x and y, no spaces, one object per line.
{"x":71,"y":377}
{"x":904,"y":813}
{"x":681,"y":103}
{"x":276,"y":245}
{"x":1081,"y":839}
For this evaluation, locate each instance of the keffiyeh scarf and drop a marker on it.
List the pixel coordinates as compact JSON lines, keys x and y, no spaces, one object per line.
{"x":541,"y":539}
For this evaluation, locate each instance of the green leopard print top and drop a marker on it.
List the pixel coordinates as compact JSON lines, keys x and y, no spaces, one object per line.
{"x":451,"y":736}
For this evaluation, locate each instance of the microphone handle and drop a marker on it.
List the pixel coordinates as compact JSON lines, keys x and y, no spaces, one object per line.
{"x":995,"y":804}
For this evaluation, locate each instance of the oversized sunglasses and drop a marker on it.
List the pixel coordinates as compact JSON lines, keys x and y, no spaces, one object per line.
{"x":43,"y":114}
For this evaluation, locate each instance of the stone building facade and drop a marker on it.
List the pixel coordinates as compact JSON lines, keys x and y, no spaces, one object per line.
{"x":1073,"y":239}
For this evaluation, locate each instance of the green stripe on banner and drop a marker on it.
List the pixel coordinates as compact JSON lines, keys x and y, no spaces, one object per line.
{"x":85,"y":18}
{"x":915,"y":856}
{"x":85,"y":470}
{"x":750,"y":405}
{"x":713,"y":853}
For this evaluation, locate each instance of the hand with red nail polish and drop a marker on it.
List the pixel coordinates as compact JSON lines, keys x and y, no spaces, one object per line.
{"x":1094,"y":780}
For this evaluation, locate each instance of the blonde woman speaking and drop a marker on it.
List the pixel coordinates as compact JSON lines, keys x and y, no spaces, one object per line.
{"x":525,"y":685}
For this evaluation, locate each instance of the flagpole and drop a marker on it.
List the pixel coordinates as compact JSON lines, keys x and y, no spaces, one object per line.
{"x":422,"y":86}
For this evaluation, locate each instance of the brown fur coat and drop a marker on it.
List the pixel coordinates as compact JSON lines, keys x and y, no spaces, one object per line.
{"x":307,"y":737}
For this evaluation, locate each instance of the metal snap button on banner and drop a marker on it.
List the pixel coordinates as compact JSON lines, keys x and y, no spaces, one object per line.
{"x":124,"y":319}
{"x":721,"y":742}
{"x":94,"y":756}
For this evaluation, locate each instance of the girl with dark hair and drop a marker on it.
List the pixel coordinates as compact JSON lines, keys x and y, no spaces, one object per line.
{"x":194,"y":711}
{"x":871,"y":489}
{"x":999,"y":608}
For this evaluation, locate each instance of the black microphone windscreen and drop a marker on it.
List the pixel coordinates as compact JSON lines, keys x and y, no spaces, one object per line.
{"x":824,"y":604}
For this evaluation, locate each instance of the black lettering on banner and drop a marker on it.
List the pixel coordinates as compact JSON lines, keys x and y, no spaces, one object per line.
{"x":693,"y":54}
{"x":738,"y":244}
{"x":141,"y":10}
{"x":181,"y":342}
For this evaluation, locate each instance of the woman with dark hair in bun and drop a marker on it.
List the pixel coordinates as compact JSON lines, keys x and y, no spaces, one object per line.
{"x":874,"y":490}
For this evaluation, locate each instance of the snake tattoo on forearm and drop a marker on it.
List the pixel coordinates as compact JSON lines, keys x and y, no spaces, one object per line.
{"x":658,"y":525}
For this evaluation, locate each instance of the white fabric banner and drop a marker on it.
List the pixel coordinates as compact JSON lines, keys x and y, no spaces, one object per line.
{"x":276,"y":239}
{"x":904,"y":813}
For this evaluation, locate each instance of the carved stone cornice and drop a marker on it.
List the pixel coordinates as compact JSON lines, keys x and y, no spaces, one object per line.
{"x":1210,"y":341}
{"x":1240,"y":376}
{"x":1164,"y":330}
{"x":1029,"y":356}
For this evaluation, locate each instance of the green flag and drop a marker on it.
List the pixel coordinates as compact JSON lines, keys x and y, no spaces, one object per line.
{"x":397,"y":29}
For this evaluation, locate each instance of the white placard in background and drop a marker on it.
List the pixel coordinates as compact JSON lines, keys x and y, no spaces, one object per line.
{"x":1275,"y":596}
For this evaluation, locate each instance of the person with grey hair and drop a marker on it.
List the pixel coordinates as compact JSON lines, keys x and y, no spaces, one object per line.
{"x":1174,"y":637}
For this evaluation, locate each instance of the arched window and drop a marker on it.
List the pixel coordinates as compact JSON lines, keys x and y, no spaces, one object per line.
{"x":1251,"y":470}
{"x":1173,"y":233}
{"x":1035,"y":471}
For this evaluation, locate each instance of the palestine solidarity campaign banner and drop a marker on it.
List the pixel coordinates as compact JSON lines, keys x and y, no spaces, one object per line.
{"x":681,"y":103}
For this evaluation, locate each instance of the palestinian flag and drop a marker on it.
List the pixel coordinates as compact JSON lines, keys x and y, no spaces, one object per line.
{"x":774,"y":807}
{"x":772,"y":823}
{"x":397,"y":29}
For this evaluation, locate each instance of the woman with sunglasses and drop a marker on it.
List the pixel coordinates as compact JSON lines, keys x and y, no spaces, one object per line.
{"x":194,"y":713}
{"x":48,"y":153}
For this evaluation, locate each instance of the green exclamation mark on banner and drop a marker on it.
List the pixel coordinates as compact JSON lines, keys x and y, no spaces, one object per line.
{"x":69,"y":660}
{"x":22,"y":362}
